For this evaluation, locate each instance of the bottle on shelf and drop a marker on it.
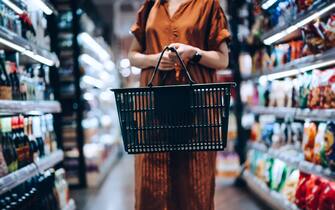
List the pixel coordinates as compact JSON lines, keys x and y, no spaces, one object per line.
{"x":3,"y":164}
{"x":9,"y":150}
{"x":5,"y":84}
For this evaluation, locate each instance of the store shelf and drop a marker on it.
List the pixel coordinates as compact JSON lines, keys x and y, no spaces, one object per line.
{"x":13,"y":41}
{"x":50,"y":161}
{"x":295,"y":162}
{"x":18,"y":177}
{"x":274,"y":199}
{"x":295,"y":113}
{"x":306,"y":63}
{"x":281,"y":32}
{"x":71,"y":205}
{"x":8,"y":106}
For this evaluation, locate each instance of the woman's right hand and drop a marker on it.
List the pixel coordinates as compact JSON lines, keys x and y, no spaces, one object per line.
{"x":166,"y":63}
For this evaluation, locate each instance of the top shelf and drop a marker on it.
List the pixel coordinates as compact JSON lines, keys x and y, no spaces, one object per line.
{"x":280,"y":33}
{"x":10,"y":40}
{"x":26,"y":107}
{"x":297,"y":66}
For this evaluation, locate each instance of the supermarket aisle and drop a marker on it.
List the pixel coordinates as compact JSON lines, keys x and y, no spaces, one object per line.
{"x":117,"y":191}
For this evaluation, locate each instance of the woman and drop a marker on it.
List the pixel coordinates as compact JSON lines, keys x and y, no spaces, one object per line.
{"x":198,"y":30}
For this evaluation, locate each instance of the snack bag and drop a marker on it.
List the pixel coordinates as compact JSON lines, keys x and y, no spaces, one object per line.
{"x":314,"y":98}
{"x":300,"y":195}
{"x":290,"y":186}
{"x":313,"y":192}
{"x":329,"y":146}
{"x":304,"y":88}
{"x":279,"y":175}
{"x":328,"y":89}
{"x":327,"y":198}
{"x":319,"y":143}
{"x":308,"y":140}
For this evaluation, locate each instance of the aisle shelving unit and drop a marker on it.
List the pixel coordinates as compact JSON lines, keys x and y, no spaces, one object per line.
{"x":279,"y":33}
{"x":274,"y":199}
{"x":296,"y":66}
{"x":294,"y":113}
{"x":22,"y":175}
{"x":13,"y":41}
{"x":295,"y":162}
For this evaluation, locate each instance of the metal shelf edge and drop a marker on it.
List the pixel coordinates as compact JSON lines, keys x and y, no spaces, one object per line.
{"x":18,"y":177}
{"x":296,"y":113}
{"x":296,"y":64}
{"x":272,"y":198}
{"x":302,"y":165}
{"x":10,"y":106}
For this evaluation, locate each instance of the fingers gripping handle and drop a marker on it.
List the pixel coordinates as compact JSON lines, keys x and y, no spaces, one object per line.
{"x":172,"y":49}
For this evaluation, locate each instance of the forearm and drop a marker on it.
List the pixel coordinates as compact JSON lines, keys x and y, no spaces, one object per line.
{"x":214,"y":59}
{"x":141,"y":60}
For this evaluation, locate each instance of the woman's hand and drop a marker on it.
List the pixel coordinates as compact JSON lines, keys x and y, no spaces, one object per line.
{"x":166,"y":64}
{"x":186,"y":52}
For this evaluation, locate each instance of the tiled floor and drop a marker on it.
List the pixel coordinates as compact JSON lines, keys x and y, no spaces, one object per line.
{"x":117,"y":192}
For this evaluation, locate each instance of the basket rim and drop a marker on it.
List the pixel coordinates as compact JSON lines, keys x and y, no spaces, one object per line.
{"x":175,"y":86}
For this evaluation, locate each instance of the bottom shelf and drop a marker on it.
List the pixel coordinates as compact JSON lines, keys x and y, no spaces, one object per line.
{"x":274,"y":199}
{"x":70,"y":206}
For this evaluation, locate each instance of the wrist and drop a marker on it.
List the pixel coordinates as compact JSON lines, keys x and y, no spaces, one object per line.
{"x":152,"y":60}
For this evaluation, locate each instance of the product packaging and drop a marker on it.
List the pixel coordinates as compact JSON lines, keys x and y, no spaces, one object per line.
{"x":290,"y":186}
{"x":319,"y":144}
{"x":329,"y":146}
{"x":300,"y":195}
{"x":308,"y":140}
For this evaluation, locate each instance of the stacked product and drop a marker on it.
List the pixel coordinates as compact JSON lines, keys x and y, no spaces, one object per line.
{"x":25,"y":21}
{"x":46,"y":191}
{"x":306,"y":191}
{"x":30,"y":82}
{"x":310,"y":141}
{"x":23,"y":140}
{"x":313,"y":89}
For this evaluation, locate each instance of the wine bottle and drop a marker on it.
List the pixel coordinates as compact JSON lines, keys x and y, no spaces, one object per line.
{"x":5,"y":85}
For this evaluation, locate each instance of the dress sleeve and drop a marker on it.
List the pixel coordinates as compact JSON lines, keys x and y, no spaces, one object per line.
{"x":218,"y":31}
{"x":138,"y":28}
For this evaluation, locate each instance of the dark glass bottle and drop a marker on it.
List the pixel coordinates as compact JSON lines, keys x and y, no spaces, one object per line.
{"x":18,"y":141}
{"x":3,"y":162}
{"x":26,"y":149}
{"x":33,"y":146}
{"x":5,"y":85}
{"x":14,"y":80}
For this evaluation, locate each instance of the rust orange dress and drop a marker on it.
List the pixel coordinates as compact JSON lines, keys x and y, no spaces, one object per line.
{"x":180,"y":180}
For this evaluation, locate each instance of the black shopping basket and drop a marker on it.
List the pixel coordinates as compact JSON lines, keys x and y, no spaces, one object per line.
{"x":191,"y":117}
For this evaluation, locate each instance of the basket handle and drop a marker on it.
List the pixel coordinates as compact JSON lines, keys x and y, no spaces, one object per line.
{"x":172,"y":49}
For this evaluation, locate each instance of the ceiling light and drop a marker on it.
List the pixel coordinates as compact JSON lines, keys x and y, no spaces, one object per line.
{"x":13,"y":6}
{"x":85,"y":39}
{"x":267,"y":4}
{"x":125,"y":72}
{"x":274,"y":38}
{"x":125,"y":63}
{"x":89,"y":60}
{"x":88,"y":96}
{"x":135,"y":70}
{"x":93,"y":81}
{"x":43,"y":6}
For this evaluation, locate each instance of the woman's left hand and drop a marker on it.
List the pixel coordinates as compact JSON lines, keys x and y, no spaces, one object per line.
{"x":186,"y":52}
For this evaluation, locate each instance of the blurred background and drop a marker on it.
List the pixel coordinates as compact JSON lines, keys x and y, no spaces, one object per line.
{"x":60,"y":139}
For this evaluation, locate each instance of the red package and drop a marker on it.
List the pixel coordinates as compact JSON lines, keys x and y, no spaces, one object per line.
{"x":327,"y":198}
{"x":314,"y":192}
{"x":300,"y":195}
